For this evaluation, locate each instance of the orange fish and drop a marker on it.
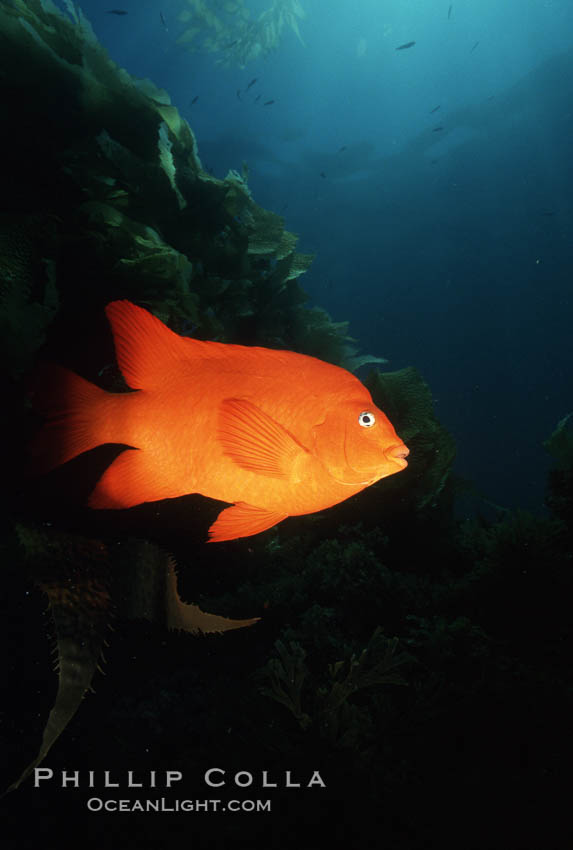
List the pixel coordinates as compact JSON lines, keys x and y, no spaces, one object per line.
{"x":275,"y":433}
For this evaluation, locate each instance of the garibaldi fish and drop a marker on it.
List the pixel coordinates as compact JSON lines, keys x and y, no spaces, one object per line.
{"x":273,"y":433}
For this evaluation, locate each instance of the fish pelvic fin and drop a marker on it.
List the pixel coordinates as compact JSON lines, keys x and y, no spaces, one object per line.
{"x":242,"y":520}
{"x":145,"y":348}
{"x":256,"y":442}
{"x":77,"y":413}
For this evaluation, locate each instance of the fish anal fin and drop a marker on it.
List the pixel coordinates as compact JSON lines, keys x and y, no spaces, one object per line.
{"x":131,"y":480}
{"x":190,"y":618}
{"x":242,"y":520}
{"x":255,"y":441}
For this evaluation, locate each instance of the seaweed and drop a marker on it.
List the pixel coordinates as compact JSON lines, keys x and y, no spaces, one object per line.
{"x":322,"y":702}
{"x":407,"y":401}
{"x":560,"y":443}
{"x":131,"y":211}
{"x":228,"y":29}
{"x":28,"y":294}
{"x":559,"y":496}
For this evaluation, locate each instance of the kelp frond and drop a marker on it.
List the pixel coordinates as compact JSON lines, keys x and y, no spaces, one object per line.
{"x":229,"y":29}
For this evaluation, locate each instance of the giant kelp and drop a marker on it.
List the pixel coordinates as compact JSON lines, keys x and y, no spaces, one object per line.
{"x":28,"y":292}
{"x":234,"y":33}
{"x":107,"y":193}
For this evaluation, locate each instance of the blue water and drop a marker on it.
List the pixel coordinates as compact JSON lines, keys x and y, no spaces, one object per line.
{"x":447,"y":249}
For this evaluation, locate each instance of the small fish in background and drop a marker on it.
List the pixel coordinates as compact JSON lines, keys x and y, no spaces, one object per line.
{"x":239,"y":94}
{"x":268,"y":103}
{"x":474,"y":47}
{"x":257,"y":98}
{"x":195,"y":99}
{"x":450,"y":12}
{"x":116,"y":12}
{"x":322,"y":174}
{"x":437,"y":129}
{"x":406,"y":46}
{"x":231,"y":44}
{"x":272,"y":433}
{"x":435,"y":109}
{"x":343,"y":148}
{"x":162,"y":19}
{"x":252,"y":83}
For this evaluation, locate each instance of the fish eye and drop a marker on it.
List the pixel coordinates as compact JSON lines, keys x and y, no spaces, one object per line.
{"x":366,"y":419}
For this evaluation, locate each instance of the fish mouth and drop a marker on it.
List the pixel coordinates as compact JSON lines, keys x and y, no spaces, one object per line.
{"x":364,"y":477}
{"x":397,"y":454}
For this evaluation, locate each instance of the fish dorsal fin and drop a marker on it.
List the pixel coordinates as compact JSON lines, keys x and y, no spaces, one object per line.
{"x":144,"y":346}
{"x":242,"y":520}
{"x":255,"y":441}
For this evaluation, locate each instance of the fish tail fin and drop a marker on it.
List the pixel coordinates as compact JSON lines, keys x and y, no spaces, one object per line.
{"x":77,"y":414}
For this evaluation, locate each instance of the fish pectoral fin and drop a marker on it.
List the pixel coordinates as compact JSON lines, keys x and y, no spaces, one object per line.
{"x":255,"y":441}
{"x":242,"y":520}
